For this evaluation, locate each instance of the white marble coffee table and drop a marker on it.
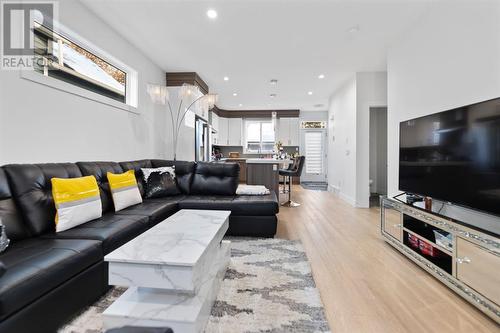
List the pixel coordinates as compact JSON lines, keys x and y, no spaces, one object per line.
{"x":173,"y":272}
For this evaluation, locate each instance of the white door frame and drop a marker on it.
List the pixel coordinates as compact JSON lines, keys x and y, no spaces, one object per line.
{"x":309,"y":177}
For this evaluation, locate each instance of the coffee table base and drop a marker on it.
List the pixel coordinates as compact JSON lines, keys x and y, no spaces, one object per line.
{"x":183,"y":312}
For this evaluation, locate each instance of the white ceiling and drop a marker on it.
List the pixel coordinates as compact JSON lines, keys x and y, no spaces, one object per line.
{"x":252,"y":42}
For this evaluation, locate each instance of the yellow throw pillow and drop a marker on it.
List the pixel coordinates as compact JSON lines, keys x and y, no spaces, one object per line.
{"x":124,"y":189}
{"x":77,"y":201}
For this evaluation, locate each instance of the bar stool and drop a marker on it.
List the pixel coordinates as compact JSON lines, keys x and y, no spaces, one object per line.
{"x":295,"y":171}
{"x":290,"y":166}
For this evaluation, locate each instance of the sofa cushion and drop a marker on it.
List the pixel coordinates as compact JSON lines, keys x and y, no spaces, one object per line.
{"x":100,"y":170}
{"x":255,"y":205}
{"x":36,"y":266}
{"x":137,"y":166}
{"x":111,"y":229}
{"x":240,"y":205}
{"x":32,"y":191}
{"x":160,"y":182}
{"x":252,"y":226}
{"x":209,"y":202}
{"x":124,"y":189}
{"x":77,"y":201}
{"x":9,"y":215}
{"x":156,"y":210}
{"x":184,"y":172}
{"x":216,"y":178}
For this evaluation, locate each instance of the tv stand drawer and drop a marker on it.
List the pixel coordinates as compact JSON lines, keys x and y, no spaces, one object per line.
{"x":479,"y":269}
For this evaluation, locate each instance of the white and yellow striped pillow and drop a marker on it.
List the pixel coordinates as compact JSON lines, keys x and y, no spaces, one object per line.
{"x":124,"y":189}
{"x":77,"y":201}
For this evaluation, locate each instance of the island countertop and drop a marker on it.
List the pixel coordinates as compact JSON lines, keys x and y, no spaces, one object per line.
{"x":267,"y":161}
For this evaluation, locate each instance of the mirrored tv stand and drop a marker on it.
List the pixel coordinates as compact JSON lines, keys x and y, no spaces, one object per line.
{"x":466,"y":259}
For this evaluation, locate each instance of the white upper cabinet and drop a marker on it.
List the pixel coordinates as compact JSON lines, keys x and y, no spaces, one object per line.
{"x":284,"y":130}
{"x":288,"y":131}
{"x":235,"y":132}
{"x":215,"y":121}
{"x":222,"y":132}
{"x":294,"y":132}
{"x":229,"y":131}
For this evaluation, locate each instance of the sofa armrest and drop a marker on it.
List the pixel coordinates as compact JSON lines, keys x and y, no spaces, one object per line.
{"x":3,"y":269}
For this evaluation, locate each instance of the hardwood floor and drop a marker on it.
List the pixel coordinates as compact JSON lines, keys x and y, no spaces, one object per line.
{"x":365,"y":284}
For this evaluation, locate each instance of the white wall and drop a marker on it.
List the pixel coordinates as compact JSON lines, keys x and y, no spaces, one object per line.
{"x":348,"y":154}
{"x":371,"y":91}
{"x":41,"y":124}
{"x":451,"y":58}
{"x":342,"y":142}
{"x":313,"y":115}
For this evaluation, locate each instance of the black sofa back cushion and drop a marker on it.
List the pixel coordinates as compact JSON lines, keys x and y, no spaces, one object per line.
{"x":10,"y":216}
{"x":184,"y":172}
{"x":32,"y":191}
{"x":100,"y":170}
{"x":137,"y":166}
{"x":216,"y":178}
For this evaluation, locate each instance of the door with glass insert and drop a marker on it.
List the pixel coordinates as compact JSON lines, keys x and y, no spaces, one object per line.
{"x":314,"y":150}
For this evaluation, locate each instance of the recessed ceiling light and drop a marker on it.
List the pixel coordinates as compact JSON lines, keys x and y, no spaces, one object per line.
{"x":240,"y":105}
{"x":273,"y":82}
{"x":226,"y":78}
{"x":212,"y":14}
{"x":235,"y":94}
{"x":272,"y":95}
{"x":353,"y":29}
{"x":321,"y":76}
{"x":309,"y":92}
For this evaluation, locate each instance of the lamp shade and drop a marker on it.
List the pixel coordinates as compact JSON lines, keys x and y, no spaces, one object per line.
{"x":158,"y":93}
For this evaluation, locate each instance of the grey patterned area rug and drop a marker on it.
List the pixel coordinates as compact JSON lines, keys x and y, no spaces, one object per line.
{"x":268,"y":287}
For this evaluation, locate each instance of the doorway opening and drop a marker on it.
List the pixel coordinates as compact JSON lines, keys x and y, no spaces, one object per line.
{"x":378,"y":154}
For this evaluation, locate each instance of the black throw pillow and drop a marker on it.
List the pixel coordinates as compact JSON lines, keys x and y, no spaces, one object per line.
{"x":159,"y":182}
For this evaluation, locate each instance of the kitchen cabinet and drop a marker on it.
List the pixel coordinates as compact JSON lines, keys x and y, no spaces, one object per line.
{"x":230,"y":131}
{"x":223,"y":131}
{"x":215,"y":127}
{"x":288,"y":131}
{"x":215,"y":121}
{"x":243,"y":167}
{"x":294,"y":132}
{"x":234,"y":131}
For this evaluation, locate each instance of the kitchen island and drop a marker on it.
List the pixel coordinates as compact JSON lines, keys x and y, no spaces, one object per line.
{"x":264,"y":171}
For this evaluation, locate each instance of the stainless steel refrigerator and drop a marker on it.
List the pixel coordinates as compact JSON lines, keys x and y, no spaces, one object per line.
{"x":203,"y":140}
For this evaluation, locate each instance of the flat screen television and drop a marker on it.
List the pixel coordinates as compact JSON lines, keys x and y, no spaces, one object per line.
{"x":454,"y":156}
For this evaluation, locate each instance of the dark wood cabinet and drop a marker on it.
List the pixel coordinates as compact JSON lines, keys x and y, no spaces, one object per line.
{"x":243,"y":167}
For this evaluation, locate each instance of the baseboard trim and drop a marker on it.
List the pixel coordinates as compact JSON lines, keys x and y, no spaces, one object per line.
{"x":336,"y":190}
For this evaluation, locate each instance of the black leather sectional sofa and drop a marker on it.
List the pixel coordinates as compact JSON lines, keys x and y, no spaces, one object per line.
{"x":48,"y":276}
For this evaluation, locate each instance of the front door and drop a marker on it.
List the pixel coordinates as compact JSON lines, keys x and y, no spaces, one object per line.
{"x":313,"y":141}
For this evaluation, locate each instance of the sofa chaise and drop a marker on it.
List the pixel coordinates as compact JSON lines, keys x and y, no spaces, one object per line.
{"x":48,"y":276}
